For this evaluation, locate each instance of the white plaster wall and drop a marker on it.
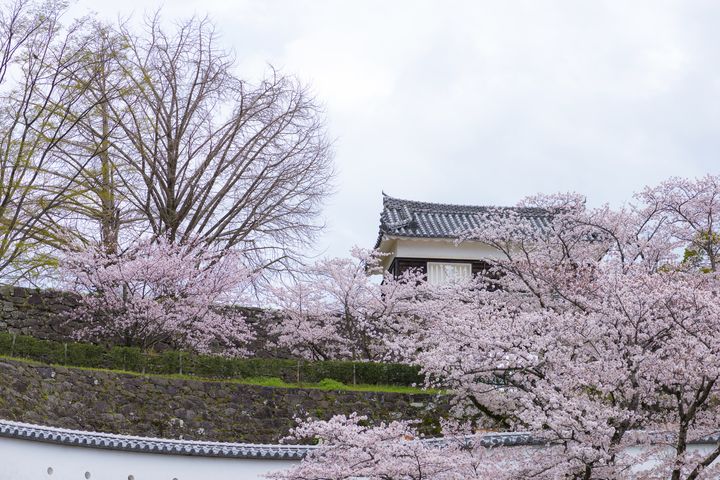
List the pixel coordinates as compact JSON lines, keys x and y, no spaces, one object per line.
{"x":30,"y":460}
{"x":445,"y":249}
{"x":644,"y":463}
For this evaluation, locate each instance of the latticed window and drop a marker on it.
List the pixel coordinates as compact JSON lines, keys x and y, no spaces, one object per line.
{"x":441,"y":273}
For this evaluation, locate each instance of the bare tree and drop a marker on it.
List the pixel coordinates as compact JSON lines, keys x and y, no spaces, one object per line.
{"x":94,"y":210}
{"x":36,"y":57}
{"x":209,"y":156}
{"x":108,"y":135}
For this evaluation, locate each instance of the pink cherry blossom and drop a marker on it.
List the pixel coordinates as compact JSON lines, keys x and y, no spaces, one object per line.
{"x":160,"y":293}
{"x":351,"y":450}
{"x":333,"y":309}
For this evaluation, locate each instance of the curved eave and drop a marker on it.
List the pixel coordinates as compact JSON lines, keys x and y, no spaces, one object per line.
{"x":384,"y":237}
{"x":110,"y":441}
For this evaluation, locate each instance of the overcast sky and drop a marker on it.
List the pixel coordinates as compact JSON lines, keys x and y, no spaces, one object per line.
{"x":484,"y":102}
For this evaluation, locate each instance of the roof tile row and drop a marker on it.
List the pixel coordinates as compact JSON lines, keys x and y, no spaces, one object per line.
{"x":408,"y":218}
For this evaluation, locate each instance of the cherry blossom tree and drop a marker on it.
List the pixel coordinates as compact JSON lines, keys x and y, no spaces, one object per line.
{"x":159,"y":293}
{"x":690,"y":209}
{"x":601,"y":335}
{"x":333,"y":309}
{"x":352,"y":450}
{"x":598,"y":331}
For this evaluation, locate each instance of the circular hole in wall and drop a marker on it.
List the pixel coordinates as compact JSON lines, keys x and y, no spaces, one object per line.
{"x":87,"y":475}
{"x":50,"y":470}
{"x":131,"y":477}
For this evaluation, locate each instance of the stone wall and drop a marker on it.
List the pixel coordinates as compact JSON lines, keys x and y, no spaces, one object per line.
{"x":40,"y":314}
{"x":29,"y":311}
{"x":190,"y":409}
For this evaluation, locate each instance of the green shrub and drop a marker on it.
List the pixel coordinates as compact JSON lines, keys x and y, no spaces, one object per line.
{"x":330,"y":384}
{"x":177,"y":362}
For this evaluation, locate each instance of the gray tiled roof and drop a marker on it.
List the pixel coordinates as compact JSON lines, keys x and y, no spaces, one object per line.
{"x":25,"y":431}
{"x":494,"y":439}
{"x":111,"y":441}
{"x":408,"y":218}
{"x":80,"y":438}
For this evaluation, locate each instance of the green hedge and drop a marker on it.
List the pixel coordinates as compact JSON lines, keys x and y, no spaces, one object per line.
{"x":173,"y":362}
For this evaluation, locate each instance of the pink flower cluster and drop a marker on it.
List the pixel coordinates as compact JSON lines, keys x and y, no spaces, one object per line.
{"x":160,"y":293}
{"x":335,"y":310}
{"x":352,"y":450}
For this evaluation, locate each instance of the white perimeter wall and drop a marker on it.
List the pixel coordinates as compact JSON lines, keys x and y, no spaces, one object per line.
{"x":30,"y":460}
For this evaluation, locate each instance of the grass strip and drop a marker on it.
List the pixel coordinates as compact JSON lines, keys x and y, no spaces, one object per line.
{"x":270,"y":382}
